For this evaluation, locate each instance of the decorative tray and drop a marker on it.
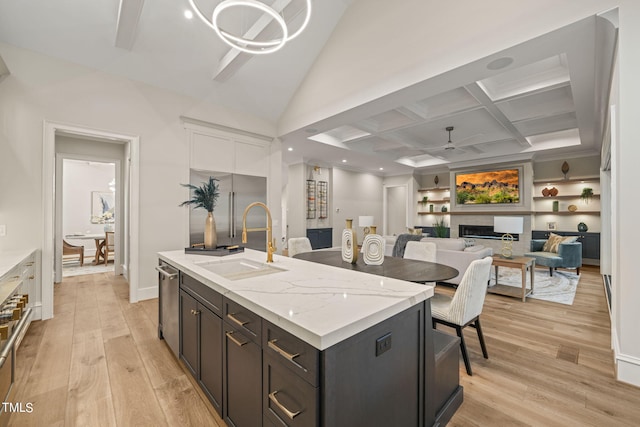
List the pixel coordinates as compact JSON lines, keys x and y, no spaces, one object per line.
{"x":218,"y":251}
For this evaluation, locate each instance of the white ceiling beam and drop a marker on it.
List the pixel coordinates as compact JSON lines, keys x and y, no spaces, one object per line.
{"x":127,"y":27}
{"x":477,"y":92}
{"x":234,"y":59}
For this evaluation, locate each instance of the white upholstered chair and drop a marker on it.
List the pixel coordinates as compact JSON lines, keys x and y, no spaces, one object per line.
{"x":464,"y":308}
{"x":421,"y":251}
{"x":298,"y":245}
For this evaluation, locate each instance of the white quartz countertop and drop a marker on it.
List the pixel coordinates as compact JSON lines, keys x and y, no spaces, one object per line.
{"x":9,"y":259}
{"x":319,"y":304}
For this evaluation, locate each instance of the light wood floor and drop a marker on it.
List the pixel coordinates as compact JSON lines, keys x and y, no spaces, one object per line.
{"x":98,"y":362}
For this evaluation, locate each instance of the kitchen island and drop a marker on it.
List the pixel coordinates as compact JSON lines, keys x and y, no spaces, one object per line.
{"x":299,"y":343}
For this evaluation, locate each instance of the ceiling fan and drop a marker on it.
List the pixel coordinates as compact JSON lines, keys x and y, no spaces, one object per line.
{"x":449,"y":144}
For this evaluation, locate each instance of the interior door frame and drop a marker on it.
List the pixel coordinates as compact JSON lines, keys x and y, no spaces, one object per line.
{"x":130,"y":188}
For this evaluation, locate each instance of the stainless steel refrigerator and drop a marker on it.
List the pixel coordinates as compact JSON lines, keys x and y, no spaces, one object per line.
{"x":236,"y":193}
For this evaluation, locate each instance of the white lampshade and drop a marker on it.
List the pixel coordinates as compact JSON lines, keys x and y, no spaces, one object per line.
{"x":508,"y":224}
{"x":365,"y":221}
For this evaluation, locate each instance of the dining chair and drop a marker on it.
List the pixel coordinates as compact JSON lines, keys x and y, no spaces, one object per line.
{"x":109,"y":245}
{"x":465,"y":307}
{"x":421,"y":251}
{"x":298,"y":245}
{"x":69,"y":249}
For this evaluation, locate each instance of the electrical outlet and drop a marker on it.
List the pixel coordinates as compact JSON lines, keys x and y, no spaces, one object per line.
{"x":3,"y":230}
{"x":383,"y":344}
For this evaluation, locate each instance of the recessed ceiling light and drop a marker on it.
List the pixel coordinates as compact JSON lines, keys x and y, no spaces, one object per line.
{"x":290,"y":149}
{"x":500,"y":63}
{"x":344,"y":160}
{"x":381,"y":169}
{"x":188,"y":14}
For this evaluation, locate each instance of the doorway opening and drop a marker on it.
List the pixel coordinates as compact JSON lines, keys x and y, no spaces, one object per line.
{"x":77,"y":143}
{"x":396,"y":219}
{"x":89,"y":213}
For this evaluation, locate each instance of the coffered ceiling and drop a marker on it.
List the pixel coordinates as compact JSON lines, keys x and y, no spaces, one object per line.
{"x":544,"y":98}
{"x":541,"y":99}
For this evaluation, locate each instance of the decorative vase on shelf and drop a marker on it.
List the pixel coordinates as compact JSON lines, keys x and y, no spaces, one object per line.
{"x":582,"y":227}
{"x":553,"y":192}
{"x":430,"y":208}
{"x":545,"y":192}
{"x":555,"y":205}
{"x":565,"y":169}
{"x":108,"y":226}
{"x":349,"y":244}
{"x":210,"y":235}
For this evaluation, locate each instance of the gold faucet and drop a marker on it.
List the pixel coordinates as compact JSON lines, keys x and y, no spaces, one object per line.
{"x":271,"y":242}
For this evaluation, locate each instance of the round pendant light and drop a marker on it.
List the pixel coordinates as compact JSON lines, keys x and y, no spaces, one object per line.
{"x":249,"y":45}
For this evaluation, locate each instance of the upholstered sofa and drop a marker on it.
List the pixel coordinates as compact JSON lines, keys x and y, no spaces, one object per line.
{"x":567,"y":255}
{"x":455,"y":252}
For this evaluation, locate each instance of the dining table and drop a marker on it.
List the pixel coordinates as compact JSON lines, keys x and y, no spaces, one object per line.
{"x":100,"y":242}
{"x":393,"y":267}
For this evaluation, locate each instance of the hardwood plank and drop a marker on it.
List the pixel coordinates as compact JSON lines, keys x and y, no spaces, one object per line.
{"x":134,"y":399}
{"x":89,"y":400}
{"x":183,"y":406}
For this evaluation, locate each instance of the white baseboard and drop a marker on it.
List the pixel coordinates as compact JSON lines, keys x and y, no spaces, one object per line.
{"x":628,"y":368}
{"x":147,"y":293}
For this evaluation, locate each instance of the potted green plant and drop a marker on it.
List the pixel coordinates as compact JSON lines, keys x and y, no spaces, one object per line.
{"x":440,"y":228}
{"x":424,"y":200}
{"x":587,"y":194}
{"x":205,"y":197}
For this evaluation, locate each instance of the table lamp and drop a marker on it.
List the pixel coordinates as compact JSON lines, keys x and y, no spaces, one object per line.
{"x":366,"y":222}
{"x":508,"y":225}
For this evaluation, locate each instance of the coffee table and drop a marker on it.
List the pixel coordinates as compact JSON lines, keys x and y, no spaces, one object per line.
{"x":521,"y":262}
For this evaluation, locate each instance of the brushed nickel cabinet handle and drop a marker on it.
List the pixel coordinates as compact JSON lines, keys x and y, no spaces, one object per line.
{"x":235,"y":340}
{"x":195,"y":312}
{"x":287,"y":412}
{"x":235,"y":320}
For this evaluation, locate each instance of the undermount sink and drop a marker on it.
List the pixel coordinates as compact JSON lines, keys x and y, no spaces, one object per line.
{"x":236,"y":269}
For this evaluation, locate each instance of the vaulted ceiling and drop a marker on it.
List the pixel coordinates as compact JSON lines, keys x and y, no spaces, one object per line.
{"x":540,"y":98}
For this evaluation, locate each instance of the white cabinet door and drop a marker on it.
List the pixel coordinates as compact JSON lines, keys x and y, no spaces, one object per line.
{"x":209,"y":152}
{"x":251,"y":158}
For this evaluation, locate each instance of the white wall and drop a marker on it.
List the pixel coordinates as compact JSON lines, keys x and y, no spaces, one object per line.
{"x":355,"y":194}
{"x":625,"y":175}
{"x":41,"y":88}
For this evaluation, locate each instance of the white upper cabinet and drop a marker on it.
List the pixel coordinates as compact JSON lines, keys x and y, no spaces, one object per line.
{"x":223,"y":150}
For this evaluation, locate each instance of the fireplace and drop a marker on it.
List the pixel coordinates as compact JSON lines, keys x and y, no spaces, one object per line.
{"x":481,"y":232}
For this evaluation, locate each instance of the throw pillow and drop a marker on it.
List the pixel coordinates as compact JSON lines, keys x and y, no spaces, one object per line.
{"x":469,"y":242}
{"x":551,"y":245}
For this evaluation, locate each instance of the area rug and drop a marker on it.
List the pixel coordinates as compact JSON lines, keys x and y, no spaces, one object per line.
{"x":77,"y":270}
{"x":560,"y":288}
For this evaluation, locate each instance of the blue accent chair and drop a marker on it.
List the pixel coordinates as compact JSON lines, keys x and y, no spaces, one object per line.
{"x":569,"y":255}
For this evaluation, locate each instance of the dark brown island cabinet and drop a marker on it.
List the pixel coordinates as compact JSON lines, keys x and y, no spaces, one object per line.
{"x":399,"y":372}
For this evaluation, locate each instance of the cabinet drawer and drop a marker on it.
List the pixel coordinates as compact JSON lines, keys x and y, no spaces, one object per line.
{"x":288,"y":399}
{"x":292,"y":352}
{"x":243,"y":319}
{"x":210,"y":298}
